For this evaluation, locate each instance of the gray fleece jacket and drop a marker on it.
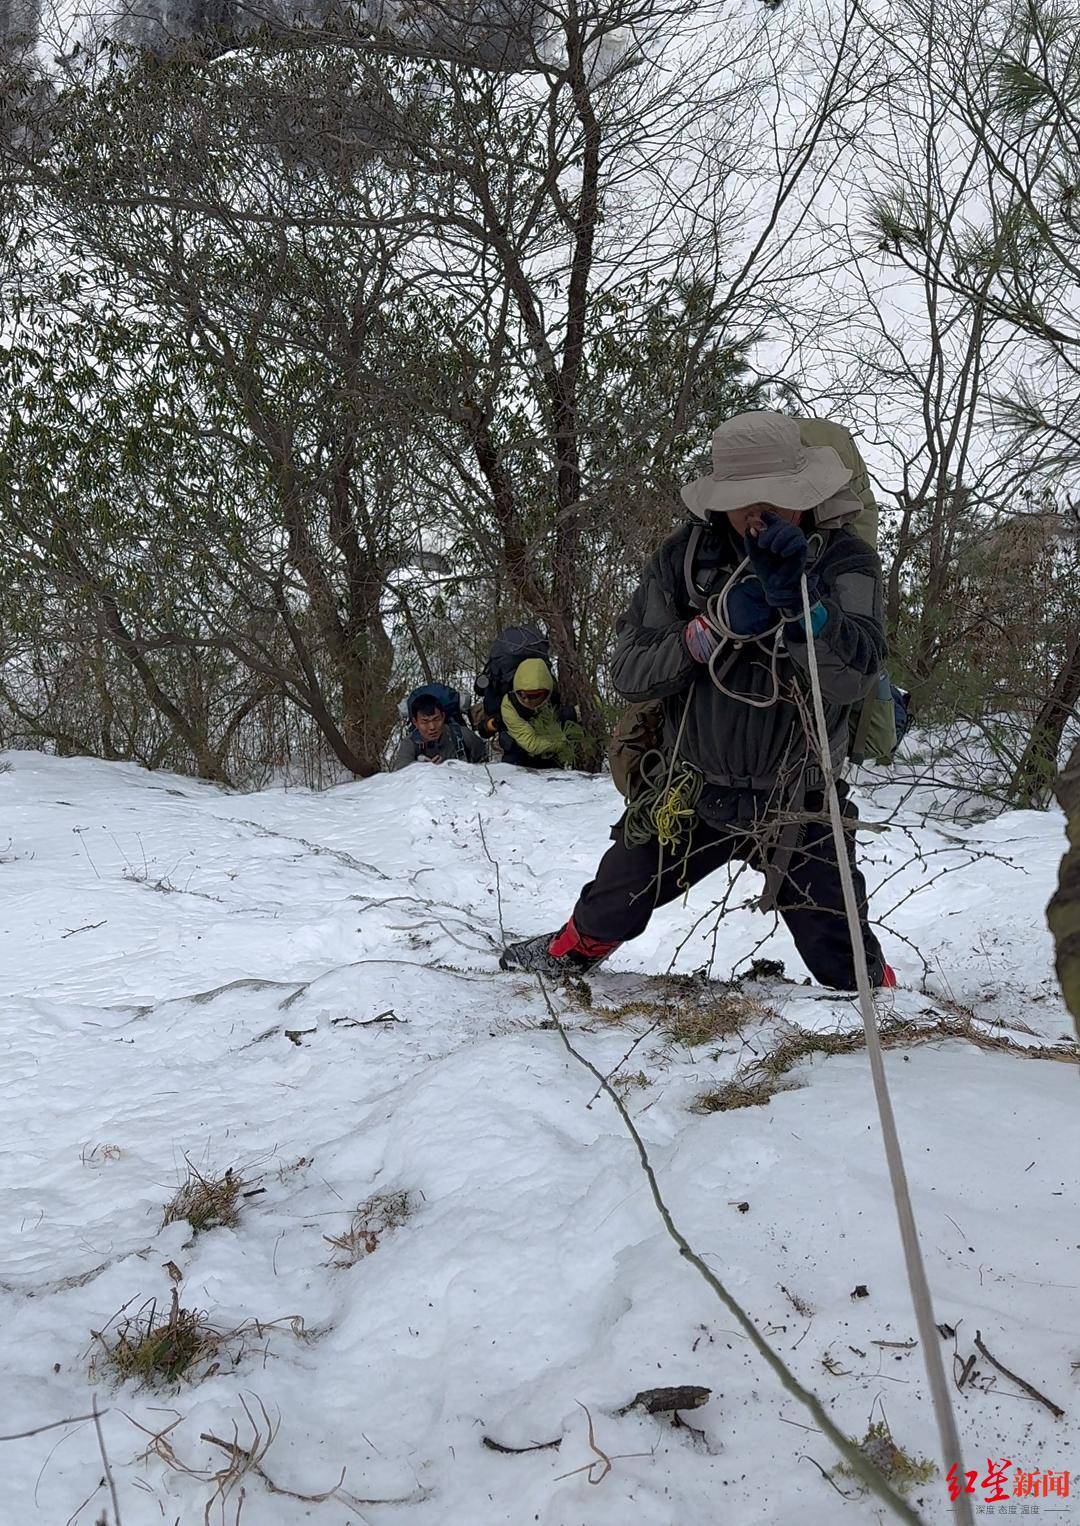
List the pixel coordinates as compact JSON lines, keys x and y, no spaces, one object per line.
{"x":733,"y":744}
{"x":456,"y":743}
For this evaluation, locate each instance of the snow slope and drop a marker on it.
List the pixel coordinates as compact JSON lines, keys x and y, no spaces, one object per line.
{"x":160,"y":936}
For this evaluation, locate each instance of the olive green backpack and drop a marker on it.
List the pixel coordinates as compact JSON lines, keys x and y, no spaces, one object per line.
{"x":873,"y":729}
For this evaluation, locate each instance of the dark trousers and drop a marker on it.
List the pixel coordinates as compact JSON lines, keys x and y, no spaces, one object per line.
{"x":510,"y":752}
{"x":618,"y":903}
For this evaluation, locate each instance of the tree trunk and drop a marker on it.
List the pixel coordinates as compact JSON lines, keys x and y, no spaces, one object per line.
{"x":893,"y":585}
{"x":520,"y":567}
{"x":367,"y":709}
{"x":414,"y":635}
{"x":1035,"y":773}
{"x":574,"y":682}
{"x":188,"y":727}
{"x":1063,"y":913}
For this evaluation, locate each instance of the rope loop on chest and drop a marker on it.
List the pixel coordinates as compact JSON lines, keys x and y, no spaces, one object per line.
{"x":769,"y":643}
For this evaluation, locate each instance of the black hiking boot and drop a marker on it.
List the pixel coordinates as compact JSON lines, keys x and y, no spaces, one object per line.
{"x":534,"y":956}
{"x":563,"y":952}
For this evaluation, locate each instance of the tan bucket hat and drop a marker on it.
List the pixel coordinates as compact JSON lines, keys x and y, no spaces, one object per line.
{"x":760,"y":458}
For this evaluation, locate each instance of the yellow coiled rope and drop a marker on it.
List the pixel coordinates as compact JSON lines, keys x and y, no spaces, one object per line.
{"x":675,"y":809}
{"x":665,"y":807}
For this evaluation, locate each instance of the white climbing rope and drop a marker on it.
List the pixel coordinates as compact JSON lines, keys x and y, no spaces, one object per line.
{"x":769,"y":642}
{"x":909,"y":1234}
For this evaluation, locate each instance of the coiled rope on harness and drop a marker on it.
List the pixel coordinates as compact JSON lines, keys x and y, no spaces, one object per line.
{"x":665,"y":804}
{"x":664,"y":808}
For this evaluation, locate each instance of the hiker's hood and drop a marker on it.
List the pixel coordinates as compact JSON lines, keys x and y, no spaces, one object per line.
{"x":533,"y":673}
{"x":843,"y":508}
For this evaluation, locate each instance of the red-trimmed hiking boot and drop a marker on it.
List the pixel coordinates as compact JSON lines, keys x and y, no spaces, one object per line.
{"x":566,"y":952}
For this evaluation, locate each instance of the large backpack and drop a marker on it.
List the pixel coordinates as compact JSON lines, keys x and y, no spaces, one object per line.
{"x":509,"y":648}
{"x":815,"y":433}
{"x":878,"y":724}
{"x":448,"y":699}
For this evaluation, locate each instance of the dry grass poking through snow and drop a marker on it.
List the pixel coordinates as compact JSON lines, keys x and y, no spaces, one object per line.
{"x":375,"y":1217}
{"x":706,"y":1017}
{"x":206,"y":1202}
{"x":157,"y":1349}
{"x":739,"y":1093}
{"x":754,"y":1086}
{"x":690,"y":1012}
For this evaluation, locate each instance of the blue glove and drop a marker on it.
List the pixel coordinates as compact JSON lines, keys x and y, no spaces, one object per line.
{"x":748,"y":611}
{"x":778,"y":555}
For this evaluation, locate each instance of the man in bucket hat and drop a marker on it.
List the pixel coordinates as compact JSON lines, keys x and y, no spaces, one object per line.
{"x":716,"y":632}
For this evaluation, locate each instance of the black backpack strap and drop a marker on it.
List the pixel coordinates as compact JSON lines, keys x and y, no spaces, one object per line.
{"x":696,"y":600}
{"x":816,"y":552}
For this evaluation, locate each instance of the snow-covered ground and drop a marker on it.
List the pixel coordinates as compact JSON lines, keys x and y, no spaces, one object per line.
{"x":163,"y":939}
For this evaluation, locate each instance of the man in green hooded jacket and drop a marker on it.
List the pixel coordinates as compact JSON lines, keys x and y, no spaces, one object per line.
{"x":534,"y":730}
